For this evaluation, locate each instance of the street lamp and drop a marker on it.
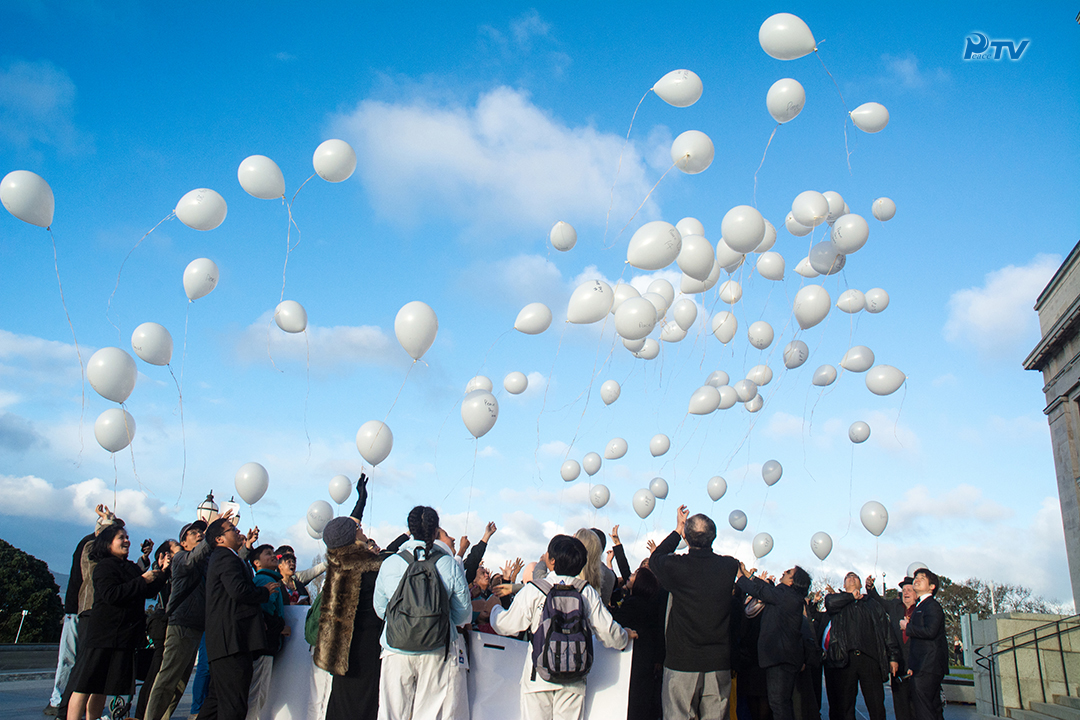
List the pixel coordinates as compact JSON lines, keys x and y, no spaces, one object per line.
{"x":17,"y":634}
{"x":207,"y":508}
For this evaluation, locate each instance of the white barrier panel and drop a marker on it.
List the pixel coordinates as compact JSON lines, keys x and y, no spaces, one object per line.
{"x":292,"y":680}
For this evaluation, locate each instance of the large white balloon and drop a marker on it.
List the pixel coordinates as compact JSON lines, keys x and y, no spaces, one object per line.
{"x":570,"y":470}
{"x":716,"y":487}
{"x":659,"y":487}
{"x":672,"y":332}
{"x":480,"y":382}
{"x":771,"y":472}
{"x":754,"y":404}
{"x":515,"y":382}
{"x":785,"y":99}
{"x":374,"y":441}
{"x":690,"y":226}
{"x":622,"y":293}
{"x":340,"y":488}
{"x":416,"y":327}
{"x":821,"y":545}
{"x":114,"y":429}
{"x":746,"y":390}
{"x":858,"y":359}
{"x":760,"y":375}
{"x":590,"y":302}
{"x":760,"y":334}
{"x":771,"y":266}
{"x":261,"y":177}
{"x":697,"y":257}
{"x":654,"y":245}
{"x":730,"y":292}
{"x":795,"y":354}
{"x":685,"y":313}
{"x":851,"y":301}
{"x":599,"y":496}
{"x":874,"y":517}
{"x":836,"y":206}
{"x":479,"y":411}
{"x":563,"y":236}
{"x":870,"y":117}
{"x":737,"y":520}
{"x":805,"y":269}
{"x":717,"y":378}
{"x":884,"y":209}
{"x":533,"y":319}
{"x":763,"y":545}
{"x":876,"y":300}
{"x":681,"y":88}
{"x":201,"y":209}
{"x":644,"y":502}
{"x":658,"y":301}
{"x":826,"y":259}
{"x":824,"y":376}
{"x":649,"y":350}
{"x":633,"y":346}
{"x":728,"y":397}
{"x":724,"y":326}
{"x":704,"y":400}
{"x":615,"y":449}
{"x":112,"y":372}
{"x":334,"y":160}
{"x":796,"y":228}
{"x":859,"y":432}
{"x":692,"y":152}
{"x":152,"y":343}
{"x":318,"y":514}
{"x":786,"y":37}
{"x":659,"y":444}
{"x":28,"y":197}
{"x":884,"y":380}
{"x":635,"y":318}
{"x":312,"y":533}
{"x":200,"y":277}
{"x":812,"y":304}
{"x":728,"y":259}
{"x":810,"y":208}
{"x":251,"y":482}
{"x":290,"y":316}
{"x":769,"y":240}
{"x":850,"y":232}
{"x":691,"y":286}
{"x":743,"y":228}
{"x":591,"y":463}
{"x":610,"y":391}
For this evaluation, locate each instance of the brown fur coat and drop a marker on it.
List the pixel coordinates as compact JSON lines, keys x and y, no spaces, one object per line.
{"x":340,"y":597}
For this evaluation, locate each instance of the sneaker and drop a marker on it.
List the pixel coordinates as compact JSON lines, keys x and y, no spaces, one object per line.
{"x":51,"y":711}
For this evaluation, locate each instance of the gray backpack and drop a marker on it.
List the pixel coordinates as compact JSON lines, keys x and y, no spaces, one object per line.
{"x":418,"y":615}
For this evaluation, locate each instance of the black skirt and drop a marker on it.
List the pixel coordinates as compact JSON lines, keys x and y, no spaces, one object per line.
{"x":105,"y":671}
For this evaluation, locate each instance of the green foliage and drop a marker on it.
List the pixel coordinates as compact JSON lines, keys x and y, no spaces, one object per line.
{"x":27,"y":584}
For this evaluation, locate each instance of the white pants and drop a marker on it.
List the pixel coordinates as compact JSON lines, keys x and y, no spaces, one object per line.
{"x":65,"y":659}
{"x":321,"y":684}
{"x":261,"y":671}
{"x":553,"y":705}
{"x":419,"y":687}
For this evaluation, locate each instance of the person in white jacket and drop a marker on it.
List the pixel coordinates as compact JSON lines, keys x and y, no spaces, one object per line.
{"x":540,"y":699}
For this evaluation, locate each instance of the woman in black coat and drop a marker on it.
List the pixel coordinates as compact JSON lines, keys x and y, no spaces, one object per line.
{"x":105,"y":664}
{"x":643,"y":610}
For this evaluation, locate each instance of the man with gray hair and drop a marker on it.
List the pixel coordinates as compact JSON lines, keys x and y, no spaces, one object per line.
{"x":697,"y":667}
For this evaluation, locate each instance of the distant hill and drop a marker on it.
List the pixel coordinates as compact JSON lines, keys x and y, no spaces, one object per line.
{"x":61,"y":580}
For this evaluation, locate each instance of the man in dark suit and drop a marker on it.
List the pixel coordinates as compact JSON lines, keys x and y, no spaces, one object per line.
{"x":234,"y":624}
{"x":928,"y":658}
{"x":898,"y":609}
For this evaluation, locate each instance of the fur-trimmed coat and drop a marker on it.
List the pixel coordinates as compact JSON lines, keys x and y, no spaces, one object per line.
{"x":349,"y":629}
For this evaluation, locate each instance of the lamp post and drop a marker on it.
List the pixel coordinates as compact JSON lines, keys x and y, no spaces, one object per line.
{"x":207,"y":509}
{"x":17,"y":634}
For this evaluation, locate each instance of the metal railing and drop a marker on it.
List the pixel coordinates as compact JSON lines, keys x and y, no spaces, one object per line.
{"x":990,"y":657}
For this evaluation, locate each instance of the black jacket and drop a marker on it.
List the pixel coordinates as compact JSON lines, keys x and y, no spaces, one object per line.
{"x":780,"y":640}
{"x":234,"y":622}
{"x":895,"y":609}
{"x":841,"y":608}
{"x":926,"y":633}
{"x":117,"y":619}
{"x":187,"y":600}
{"x":698,"y":628}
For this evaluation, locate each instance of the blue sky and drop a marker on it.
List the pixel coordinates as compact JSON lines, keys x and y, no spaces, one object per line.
{"x":476,"y":129}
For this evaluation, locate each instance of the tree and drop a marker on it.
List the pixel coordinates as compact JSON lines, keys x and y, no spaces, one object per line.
{"x":27,"y":584}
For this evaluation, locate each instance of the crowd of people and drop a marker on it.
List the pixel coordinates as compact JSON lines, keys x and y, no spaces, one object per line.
{"x":389,"y":626}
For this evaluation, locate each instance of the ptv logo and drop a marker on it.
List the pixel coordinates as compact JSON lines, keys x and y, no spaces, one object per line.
{"x":978,"y":46}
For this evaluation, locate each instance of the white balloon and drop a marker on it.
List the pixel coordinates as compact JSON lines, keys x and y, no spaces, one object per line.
{"x":480,"y":382}
{"x":340,"y":488}
{"x":685,"y":313}
{"x":724,"y":326}
{"x":515,"y":382}
{"x":760,"y":375}
{"x":659,"y":487}
{"x":672,"y":332}
{"x":851,"y":301}
{"x":728,"y":397}
{"x":681,"y":88}
{"x":318,"y":514}
{"x":200,"y":277}
{"x":663,"y":288}
{"x":590,"y":302}
{"x":746,"y":390}
{"x":658,"y":301}
{"x":374,"y":441}
{"x":717,"y":378}
{"x":599,"y":496}
{"x":622,"y":293}
{"x":884,"y":209}
{"x":858,"y":359}
{"x":771,"y":266}
{"x":533,"y":319}
{"x":261,"y":177}
{"x":251,"y":482}
{"x":763,"y":545}
{"x":570,"y":470}
{"x":760,"y":334}
{"x":884,"y":380}
{"x":730,"y":292}
{"x":915,"y":567}
{"x":649,"y":350}
{"x":591,"y":462}
{"x":769,"y":240}
{"x":821,"y":545}
{"x":610,"y":391}
{"x":824,"y":376}
{"x":114,"y":429}
{"x":805,"y":269}
{"x":644,"y":502}
{"x":655,"y":245}
{"x":859,"y":432}
{"x":563,"y":236}
{"x":785,"y":100}
{"x":743,"y":228}
{"x":692,"y":152}
{"x":201,"y":209}
{"x":870,"y":117}
{"x":691,"y":286}
{"x":786,"y":37}
{"x":633,"y":345}
{"x":716,"y":487}
{"x":794,"y":227}
{"x":112,"y":372}
{"x":690,"y":226}
{"x":727,"y":258}
{"x":812,"y":304}
{"x":874,"y":517}
{"x":795,"y":354}
{"x":836,"y":206}
{"x":416,"y":327}
{"x":754,"y":404}
{"x":659,"y":444}
{"x":704,"y":400}
{"x":850,"y":232}
{"x":737,"y":520}
{"x":826,"y":259}
{"x":479,"y":411}
{"x":334,"y":160}
{"x":697,"y":257}
{"x":615,"y":449}
{"x":810,"y":208}
{"x":876,"y":300}
{"x":771,"y":472}
{"x":290,"y":316}
{"x":152,"y":343}
{"x":635,"y":318}
{"x":28,"y":197}
{"x":312,"y":534}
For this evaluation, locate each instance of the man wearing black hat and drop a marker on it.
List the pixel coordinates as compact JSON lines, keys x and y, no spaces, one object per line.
{"x":898,"y":609}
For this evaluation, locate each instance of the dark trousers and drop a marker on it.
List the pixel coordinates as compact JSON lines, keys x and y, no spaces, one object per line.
{"x":901,"y":699}
{"x":926,"y":696}
{"x":780,"y":684}
{"x":834,"y":682}
{"x":230,"y":681}
{"x":862,"y":672}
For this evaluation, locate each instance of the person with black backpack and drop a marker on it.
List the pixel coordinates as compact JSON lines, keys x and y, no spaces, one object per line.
{"x":422,"y":595}
{"x":562,"y":612}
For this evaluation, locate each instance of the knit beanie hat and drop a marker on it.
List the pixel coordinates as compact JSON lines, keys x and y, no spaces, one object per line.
{"x":339,"y":532}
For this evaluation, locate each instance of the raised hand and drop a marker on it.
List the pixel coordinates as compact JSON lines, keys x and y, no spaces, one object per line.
{"x":489,"y":531}
{"x":650,"y":546}
{"x":610,"y":557}
{"x":463,"y":545}
{"x":615,"y":536}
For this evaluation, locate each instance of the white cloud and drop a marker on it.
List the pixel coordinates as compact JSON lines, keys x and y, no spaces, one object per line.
{"x":504,"y":163}
{"x":37,"y":107}
{"x":998,"y":318}
{"x":555,"y":448}
{"x":327,"y":347}
{"x":33,"y":497}
{"x":961,"y":502}
{"x":905,"y":72}
{"x":888,"y":433}
{"x":521,"y":279}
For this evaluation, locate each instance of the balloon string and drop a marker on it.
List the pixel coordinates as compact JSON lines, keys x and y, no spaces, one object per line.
{"x":543,"y":405}
{"x":472,"y":478}
{"x":289,"y":246}
{"x":851,"y":492}
{"x":762,"y":163}
{"x":673,"y":164}
{"x":307,"y":391}
{"x":406,"y":379}
{"x":183,"y":432}
{"x":269,"y":354}
{"x":618,"y":169}
{"x":116,"y":480}
{"x":847,"y":152}
{"x":108,"y":307}
{"x":78,"y":352}
{"x":130,"y":436}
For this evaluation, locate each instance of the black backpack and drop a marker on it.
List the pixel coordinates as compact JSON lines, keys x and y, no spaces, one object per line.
{"x":418,"y":615}
{"x":562,"y":650}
